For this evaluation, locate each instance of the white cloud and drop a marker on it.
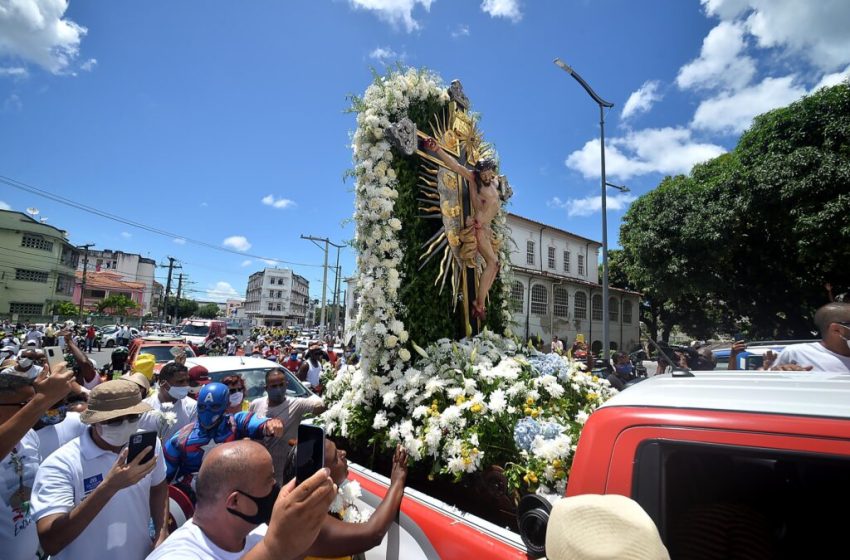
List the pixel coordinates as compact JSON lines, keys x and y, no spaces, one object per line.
{"x":222,"y":291}
{"x":592,"y":204}
{"x":13,"y":72}
{"x":270,"y":262}
{"x":642,"y":100}
{"x":395,"y":12}
{"x":721,"y":63}
{"x":4,"y":205}
{"x":35,"y":30}
{"x":179,"y":240}
{"x":88,"y":65}
{"x":246,"y":262}
{"x":204,"y":205}
{"x":238,"y":242}
{"x":270,"y":200}
{"x":734,"y":111}
{"x":13,"y":103}
{"x":832,"y":79}
{"x":652,"y":150}
{"x":502,"y":8}
{"x":126,"y":234}
{"x":384,"y":55}
{"x":460,"y":30}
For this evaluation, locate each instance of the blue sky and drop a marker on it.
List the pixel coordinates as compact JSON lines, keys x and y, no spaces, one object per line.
{"x":224,"y":121}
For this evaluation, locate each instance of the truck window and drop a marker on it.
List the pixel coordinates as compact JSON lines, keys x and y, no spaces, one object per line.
{"x":714,"y":501}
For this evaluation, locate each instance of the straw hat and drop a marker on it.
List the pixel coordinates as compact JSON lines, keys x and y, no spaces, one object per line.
{"x":593,"y":526}
{"x":113,"y":399}
{"x":144,"y":364}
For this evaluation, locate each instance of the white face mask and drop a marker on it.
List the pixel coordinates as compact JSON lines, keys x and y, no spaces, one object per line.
{"x":25,"y":363}
{"x":236,"y":398}
{"x":178,"y":392}
{"x":118,"y":436}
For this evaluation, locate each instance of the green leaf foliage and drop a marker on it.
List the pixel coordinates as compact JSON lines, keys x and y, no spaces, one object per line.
{"x":754,"y":238}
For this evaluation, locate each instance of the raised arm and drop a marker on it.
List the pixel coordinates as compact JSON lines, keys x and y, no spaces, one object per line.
{"x":338,"y":538}
{"x":451,"y":163}
{"x":86,"y":368}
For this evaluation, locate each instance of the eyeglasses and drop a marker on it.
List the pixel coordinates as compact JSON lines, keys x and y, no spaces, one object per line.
{"x":844,"y":323}
{"x":122,"y":419}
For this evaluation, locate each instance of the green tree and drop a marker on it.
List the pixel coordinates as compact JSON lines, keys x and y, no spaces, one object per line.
{"x":185,"y":307}
{"x":751,"y":237}
{"x":65,"y":308}
{"x":208,"y":311}
{"x":116,"y":304}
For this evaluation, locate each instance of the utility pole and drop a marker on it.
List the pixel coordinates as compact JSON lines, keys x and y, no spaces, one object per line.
{"x":336,"y":292}
{"x":85,"y":269}
{"x":327,"y":242}
{"x":171,"y":268}
{"x":179,"y":289}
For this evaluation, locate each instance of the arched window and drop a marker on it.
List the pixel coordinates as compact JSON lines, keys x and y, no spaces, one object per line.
{"x":581,"y":305}
{"x":517,"y":296}
{"x":613,"y":310}
{"x":562,"y":302}
{"x":539,"y":299}
{"x":627,"y":312}
{"x":596,"y":308}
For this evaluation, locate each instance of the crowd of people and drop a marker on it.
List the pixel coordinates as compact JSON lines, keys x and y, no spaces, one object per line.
{"x":70,"y":490}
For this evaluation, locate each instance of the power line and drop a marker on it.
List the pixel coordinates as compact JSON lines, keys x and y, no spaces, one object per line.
{"x":103,"y":214}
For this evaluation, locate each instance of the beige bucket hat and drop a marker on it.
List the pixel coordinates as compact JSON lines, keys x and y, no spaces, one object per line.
{"x":113,"y":399}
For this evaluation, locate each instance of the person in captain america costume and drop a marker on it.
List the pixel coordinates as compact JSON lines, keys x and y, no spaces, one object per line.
{"x":185,"y":450}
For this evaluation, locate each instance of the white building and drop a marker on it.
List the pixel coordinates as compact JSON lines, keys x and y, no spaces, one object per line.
{"x":131,"y":267}
{"x":277,"y":297}
{"x":555,"y":288}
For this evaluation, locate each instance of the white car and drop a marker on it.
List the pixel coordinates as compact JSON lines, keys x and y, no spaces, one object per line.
{"x":109,"y":335}
{"x":252,"y":370}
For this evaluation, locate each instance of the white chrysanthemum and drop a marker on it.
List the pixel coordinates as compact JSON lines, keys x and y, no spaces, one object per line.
{"x":380,"y":421}
{"x":497,"y":401}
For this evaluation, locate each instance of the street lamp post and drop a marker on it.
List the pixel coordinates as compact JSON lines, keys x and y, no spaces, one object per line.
{"x":606,"y":344}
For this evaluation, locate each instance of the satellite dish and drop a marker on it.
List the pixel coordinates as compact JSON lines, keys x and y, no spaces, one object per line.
{"x":32,"y":211}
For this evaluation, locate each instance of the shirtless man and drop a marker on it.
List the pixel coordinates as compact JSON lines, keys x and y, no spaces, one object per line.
{"x":485,"y":199}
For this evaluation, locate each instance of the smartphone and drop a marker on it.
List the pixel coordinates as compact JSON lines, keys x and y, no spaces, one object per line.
{"x":138,"y":442}
{"x":55,"y":357}
{"x":310,"y":452}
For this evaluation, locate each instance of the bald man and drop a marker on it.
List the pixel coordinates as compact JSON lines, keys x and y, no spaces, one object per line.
{"x":242,"y":513}
{"x":832,"y":352}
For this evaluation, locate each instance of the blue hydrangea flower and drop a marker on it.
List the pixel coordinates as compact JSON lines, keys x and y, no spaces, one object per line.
{"x":525,"y":431}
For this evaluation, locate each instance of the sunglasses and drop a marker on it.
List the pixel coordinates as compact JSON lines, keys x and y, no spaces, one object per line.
{"x":235,"y":390}
{"x":121,"y":419}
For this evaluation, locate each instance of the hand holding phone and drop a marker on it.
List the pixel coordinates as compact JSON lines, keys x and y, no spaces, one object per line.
{"x":138,"y":442}
{"x":55,"y":357}
{"x":310,"y":452}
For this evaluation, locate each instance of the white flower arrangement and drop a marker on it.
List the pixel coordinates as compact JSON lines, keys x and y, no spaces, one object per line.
{"x":461,"y":413}
{"x":345,"y":503}
{"x":166,"y":417}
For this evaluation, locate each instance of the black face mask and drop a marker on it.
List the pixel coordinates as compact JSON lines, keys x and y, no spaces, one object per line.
{"x":265,"y":505}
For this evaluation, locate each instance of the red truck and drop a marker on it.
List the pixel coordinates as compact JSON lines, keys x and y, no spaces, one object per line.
{"x":722,"y":462}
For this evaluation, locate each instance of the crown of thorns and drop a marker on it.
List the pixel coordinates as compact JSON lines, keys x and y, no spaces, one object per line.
{"x":485,"y":165}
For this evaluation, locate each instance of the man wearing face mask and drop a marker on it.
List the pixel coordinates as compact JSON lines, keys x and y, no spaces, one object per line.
{"x":832,"y":352}
{"x":173,"y":390}
{"x":249,"y":517}
{"x":26,"y":365}
{"x":276,"y":404}
{"x":88,"y":500}
{"x":185,"y":451}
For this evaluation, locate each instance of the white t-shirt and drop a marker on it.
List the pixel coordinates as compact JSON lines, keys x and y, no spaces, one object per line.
{"x":18,"y":535}
{"x":816,"y":355}
{"x":314,"y":374}
{"x":186,"y":410}
{"x":190,"y":543}
{"x":51,"y":438}
{"x":33,"y":335}
{"x":121,"y":528}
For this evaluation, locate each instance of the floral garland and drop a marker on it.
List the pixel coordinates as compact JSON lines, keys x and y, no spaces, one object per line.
{"x":381,"y":332}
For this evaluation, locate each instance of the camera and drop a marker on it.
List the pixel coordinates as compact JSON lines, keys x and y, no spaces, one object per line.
{"x":532,"y":518}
